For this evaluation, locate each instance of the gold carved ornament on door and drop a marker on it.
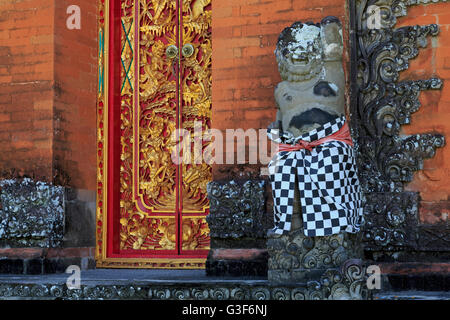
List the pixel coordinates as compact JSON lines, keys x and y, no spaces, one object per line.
{"x":154,"y":78}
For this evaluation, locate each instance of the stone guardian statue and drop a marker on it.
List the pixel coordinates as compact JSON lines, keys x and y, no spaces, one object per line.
{"x":318,"y":205}
{"x":314,"y":172}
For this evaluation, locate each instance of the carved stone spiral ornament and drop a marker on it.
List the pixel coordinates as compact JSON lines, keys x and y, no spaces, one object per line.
{"x":380,"y":105}
{"x":236,"y":209}
{"x":334,"y":285}
{"x":295,"y":257}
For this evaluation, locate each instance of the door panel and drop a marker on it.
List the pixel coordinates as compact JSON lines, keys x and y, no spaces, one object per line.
{"x":151,"y":212}
{"x":195,"y":69}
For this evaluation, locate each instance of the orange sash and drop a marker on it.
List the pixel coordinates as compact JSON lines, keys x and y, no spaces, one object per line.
{"x":342,"y":135}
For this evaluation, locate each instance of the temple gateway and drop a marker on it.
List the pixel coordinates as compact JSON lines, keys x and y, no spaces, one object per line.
{"x":237,"y":150}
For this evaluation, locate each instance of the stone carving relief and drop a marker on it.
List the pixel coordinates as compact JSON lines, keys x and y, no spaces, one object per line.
{"x":32,"y":214}
{"x":334,"y":285}
{"x":381,"y":104}
{"x":295,"y":257}
{"x":393,"y":221}
{"x":236,"y":209}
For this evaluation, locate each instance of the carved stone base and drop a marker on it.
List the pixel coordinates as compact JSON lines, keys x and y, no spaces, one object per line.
{"x":297,"y":258}
{"x":31,"y":214}
{"x":237,"y":222}
{"x":331,"y":263}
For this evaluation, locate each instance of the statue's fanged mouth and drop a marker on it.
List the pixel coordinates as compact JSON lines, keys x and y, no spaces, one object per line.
{"x":300,"y":61}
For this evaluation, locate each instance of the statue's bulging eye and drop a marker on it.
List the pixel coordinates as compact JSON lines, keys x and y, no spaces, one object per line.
{"x":285,"y":52}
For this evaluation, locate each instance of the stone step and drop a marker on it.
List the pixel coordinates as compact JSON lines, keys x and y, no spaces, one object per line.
{"x":413,"y":295}
{"x":144,"y":284}
{"x":141,"y":284}
{"x":35,"y":261}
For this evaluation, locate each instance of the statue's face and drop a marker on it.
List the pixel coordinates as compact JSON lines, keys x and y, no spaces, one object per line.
{"x":299,"y":52}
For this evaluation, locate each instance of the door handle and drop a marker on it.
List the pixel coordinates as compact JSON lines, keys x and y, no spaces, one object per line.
{"x":172,"y":51}
{"x":187,"y":50}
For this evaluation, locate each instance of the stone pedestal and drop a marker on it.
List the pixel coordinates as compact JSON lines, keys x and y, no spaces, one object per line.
{"x":297,"y":258}
{"x":238,"y":224}
{"x":328,"y":268}
{"x":45,"y":228}
{"x":32,"y":214}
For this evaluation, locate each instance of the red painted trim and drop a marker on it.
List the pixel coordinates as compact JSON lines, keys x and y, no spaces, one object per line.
{"x":137,"y":71}
{"x":113,"y":126}
{"x":138,"y":255}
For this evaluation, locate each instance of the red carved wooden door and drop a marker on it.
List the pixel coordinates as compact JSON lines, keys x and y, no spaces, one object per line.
{"x":155,"y":78}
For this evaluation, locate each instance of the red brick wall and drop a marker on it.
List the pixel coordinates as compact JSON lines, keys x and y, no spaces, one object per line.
{"x":75,"y":99}
{"x":48,"y":83}
{"x":434,"y":115}
{"x":26,"y":86}
{"x":245,"y":72}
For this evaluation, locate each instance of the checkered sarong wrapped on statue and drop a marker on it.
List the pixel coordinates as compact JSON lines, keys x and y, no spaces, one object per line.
{"x":321,"y":164}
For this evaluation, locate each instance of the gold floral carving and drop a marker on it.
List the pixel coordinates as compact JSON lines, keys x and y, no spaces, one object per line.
{"x":101,"y":111}
{"x":158,"y":94}
{"x":155,"y":233}
{"x":157,"y":105}
{"x":195,"y":233}
{"x":196,"y":85}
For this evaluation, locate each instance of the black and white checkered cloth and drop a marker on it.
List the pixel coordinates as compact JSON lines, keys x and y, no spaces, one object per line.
{"x":326,"y":176}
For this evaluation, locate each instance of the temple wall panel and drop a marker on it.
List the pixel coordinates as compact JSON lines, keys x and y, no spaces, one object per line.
{"x":434,"y":115}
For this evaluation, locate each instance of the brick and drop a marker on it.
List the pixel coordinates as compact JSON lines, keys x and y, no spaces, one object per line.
{"x":263,"y":29}
{"x":239,"y":63}
{"x":261,"y":114}
{"x":237,"y":254}
{"x":43,"y":144}
{"x":241,"y":42}
{"x":5,"y":117}
{"x":70,"y":252}
{"x":266,"y":9}
{"x":21,"y":253}
{"x":417,"y":20}
{"x":43,"y":105}
{"x":225,"y":95}
{"x":223,"y":114}
{"x":22,"y":144}
{"x":262,"y":94}
{"x":223,"y":12}
{"x":232,"y":3}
